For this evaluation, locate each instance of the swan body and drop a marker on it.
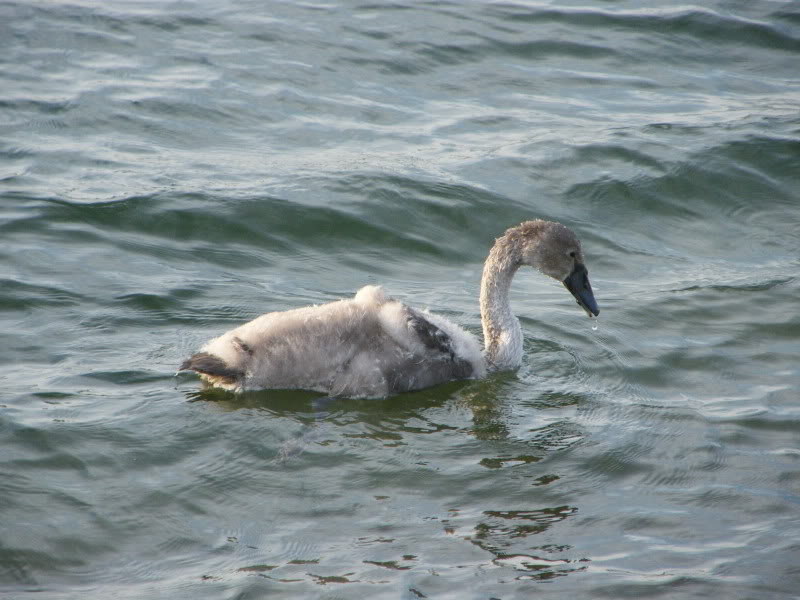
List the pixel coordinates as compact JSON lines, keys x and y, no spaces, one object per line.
{"x":372,"y":345}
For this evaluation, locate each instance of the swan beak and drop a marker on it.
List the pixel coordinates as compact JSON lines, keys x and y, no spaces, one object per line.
{"x":578,"y":285}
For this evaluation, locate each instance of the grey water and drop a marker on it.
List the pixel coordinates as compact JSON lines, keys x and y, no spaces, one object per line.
{"x":169,"y":170}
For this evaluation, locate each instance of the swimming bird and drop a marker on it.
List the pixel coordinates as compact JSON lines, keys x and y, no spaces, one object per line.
{"x":373,"y":346}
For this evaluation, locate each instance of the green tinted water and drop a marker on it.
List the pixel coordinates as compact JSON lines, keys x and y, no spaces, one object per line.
{"x":170,"y":171}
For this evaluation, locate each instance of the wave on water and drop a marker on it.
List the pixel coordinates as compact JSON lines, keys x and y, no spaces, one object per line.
{"x":168,"y":171}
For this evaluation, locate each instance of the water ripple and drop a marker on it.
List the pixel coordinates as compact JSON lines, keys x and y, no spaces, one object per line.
{"x":169,"y":172}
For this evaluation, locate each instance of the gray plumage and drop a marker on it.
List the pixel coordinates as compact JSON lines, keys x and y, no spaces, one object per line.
{"x":374,"y":346}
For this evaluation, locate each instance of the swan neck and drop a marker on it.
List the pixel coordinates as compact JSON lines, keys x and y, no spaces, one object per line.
{"x":502,"y":333}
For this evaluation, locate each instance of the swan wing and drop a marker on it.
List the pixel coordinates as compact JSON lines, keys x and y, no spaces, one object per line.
{"x":431,"y":349}
{"x":432,"y":337}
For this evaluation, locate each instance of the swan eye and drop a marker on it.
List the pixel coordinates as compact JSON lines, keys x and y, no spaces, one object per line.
{"x":572,"y":254}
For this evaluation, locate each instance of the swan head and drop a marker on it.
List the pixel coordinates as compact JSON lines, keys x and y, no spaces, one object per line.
{"x":555,"y":250}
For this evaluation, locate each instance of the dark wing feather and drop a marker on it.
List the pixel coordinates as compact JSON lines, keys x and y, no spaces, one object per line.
{"x":440,"y":365}
{"x":431,"y":336}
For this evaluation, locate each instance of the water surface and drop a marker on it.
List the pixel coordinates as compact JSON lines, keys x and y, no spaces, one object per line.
{"x":170,"y":170}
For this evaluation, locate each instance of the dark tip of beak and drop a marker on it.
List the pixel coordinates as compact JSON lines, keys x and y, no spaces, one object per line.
{"x":578,"y":285}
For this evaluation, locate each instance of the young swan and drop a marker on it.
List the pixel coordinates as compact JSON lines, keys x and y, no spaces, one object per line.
{"x":374,"y":346}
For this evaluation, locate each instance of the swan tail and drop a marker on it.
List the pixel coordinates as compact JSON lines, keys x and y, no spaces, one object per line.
{"x":214,"y":368}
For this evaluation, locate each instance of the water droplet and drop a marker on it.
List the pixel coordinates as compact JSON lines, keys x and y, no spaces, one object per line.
{"x":594,"y":324}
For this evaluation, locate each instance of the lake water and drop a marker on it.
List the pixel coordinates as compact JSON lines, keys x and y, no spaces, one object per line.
{"x":169,"y":170}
